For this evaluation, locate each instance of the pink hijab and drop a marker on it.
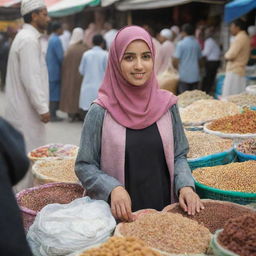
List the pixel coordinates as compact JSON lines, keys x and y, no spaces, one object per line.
{"x":134,"y":107}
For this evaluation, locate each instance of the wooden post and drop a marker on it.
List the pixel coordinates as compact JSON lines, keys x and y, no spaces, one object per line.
{"x":129,"y":18}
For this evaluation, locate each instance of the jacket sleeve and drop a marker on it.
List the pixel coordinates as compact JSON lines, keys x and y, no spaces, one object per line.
{"x":97,"y":183}
{"x":59,"y":50}
{"x":182,"y":172}
{"x":31,"y":75}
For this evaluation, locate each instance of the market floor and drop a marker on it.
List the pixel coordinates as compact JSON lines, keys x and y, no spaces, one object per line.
{"x":59,"y":132}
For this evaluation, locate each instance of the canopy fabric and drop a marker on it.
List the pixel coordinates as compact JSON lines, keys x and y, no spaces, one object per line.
{"x":237,"y":8}
{"x":8,"y":3}
{"x":105,"y":3}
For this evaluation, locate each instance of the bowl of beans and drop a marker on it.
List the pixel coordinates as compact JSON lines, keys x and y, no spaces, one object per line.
{"x":246,"y":150}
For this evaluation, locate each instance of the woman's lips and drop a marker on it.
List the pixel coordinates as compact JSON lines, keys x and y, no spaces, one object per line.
{"x":138,"y":75}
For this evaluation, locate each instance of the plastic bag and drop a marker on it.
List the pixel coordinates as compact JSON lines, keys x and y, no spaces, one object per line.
{"x":60,"y":229}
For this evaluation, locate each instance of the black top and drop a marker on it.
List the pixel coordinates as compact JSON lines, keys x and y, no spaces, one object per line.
{"x":147,"y":178}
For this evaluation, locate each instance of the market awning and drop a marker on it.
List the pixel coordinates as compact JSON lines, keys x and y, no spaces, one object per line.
{"x":237,"y":8}
{"x":8,"y":3}
{"x":153,"y":4}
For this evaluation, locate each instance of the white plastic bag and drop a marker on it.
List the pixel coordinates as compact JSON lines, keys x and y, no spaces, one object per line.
{"x":60,"y":229}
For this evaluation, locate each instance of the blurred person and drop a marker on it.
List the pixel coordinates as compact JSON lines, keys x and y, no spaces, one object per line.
{"x":186,"y":59}
{"x":27,"y":87}
{"x":211,"y":53}
{"x":199,"y":34}
{"x":65,"y":37}
{"x":54,"y":59}
{"x":13,"y":167}
{"x":166,"y":51}
{"x":92,"y":68}
{"x":176,"y":34}
{"x":110,"y":33}
{"x":89,"y":33}
{"x":252,"y":33}
{"x":237,"y":57}
{"x":4,"y":51}
{"x":71,"y":78}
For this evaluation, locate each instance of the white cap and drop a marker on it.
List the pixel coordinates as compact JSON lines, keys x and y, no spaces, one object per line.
{"x":252,"y":30}
{"x":28,"y":6}
{"x":175,"y":29}
{"x":167,"y":33}
{"x":77,"y":36}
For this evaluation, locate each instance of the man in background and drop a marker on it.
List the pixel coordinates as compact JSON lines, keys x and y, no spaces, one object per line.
{"x":27,"y":88}
{"x":186,"y":59}
{"x":237,"y":57}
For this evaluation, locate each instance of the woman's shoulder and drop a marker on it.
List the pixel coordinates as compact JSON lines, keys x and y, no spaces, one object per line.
{"x":96,"y":110}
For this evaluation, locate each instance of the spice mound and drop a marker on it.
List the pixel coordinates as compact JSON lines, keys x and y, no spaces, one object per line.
{"x":38,"y":198}
{"x":169,"y":232}
{"x":204,"y":144}
{"x":239,"y":235}
{"x":243,"y":99}
{"x":55,"y":150}
{"x":121,"y":246}
{"x":188,"y":97}
{"x":215,"y":214}
{"x":233,"y":177}
{"x":203,"y":111}
{"x":247,"y":146}
{"x":61,"y":170}
{"x":240,"y":124}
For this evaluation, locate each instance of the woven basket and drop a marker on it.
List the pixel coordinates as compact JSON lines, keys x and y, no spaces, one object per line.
{"x":222,"y":158}
{"x":224,"y":195}
{"x":242,"y":157}
{"x":29,"y":215}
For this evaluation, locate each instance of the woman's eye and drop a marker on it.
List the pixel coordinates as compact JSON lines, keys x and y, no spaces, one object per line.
{"x":128,"y":58}
{"x":146,"y":56}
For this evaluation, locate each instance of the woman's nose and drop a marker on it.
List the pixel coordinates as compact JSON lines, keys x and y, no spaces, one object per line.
{"x":138,"y":64}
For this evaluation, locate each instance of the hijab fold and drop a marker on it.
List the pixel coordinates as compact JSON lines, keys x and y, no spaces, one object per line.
{"x":134,"y":107}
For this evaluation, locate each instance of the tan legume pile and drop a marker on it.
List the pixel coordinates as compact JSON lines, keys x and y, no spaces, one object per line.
{"x":169,"y":232}
{"x":215,"y":214}
{"x":248,"y":146}
{"x":243,"y":99}
{"x":203,"y":144}
{"x":234,"y":177}
{"x":62,"y":170}
{"x":188,"y":97}
{"x":240,"y":123}
{"x":37,"y":199}
{"x":203,"y":111}
{"x":121,"y":246}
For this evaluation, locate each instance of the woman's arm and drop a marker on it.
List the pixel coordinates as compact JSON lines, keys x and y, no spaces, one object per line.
{"x":97,"y":183}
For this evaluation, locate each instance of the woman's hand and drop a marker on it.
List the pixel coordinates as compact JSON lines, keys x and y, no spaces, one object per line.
{"x":190,"y":201}
{"x":121,"y":205}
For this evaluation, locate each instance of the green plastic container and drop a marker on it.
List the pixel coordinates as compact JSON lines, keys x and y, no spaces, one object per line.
{"x":224,"y":195}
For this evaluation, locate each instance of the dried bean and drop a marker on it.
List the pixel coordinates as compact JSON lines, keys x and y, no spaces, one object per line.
{"x":169,"y":232}
{"x":215,"y":214}
{"x":243,"y":99}
{"x":203,"y":144}
{"x":248,"y":146}
{"x":203,"y":111}
{"x":239,"y":235}
{"x":234,"y":177}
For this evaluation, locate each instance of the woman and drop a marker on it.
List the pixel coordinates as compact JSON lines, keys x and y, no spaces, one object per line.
{"x":71,"y":78}
{"x":133,"y":148}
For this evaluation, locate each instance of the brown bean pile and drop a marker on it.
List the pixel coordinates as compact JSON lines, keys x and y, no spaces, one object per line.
{"x":203,"y":144}
{"x":121,"y":246}
{"x":215,"y":214}
{"x":240,"y":123}
{"x":188,"y":97}
{"x":203,"y":111}
{"x":37,"y":199}
{"x":169,"y":232}
{"x":243,"y":99}
{"x":234,"y":177}
{"x":62,"y":170}
{"x":248,"y":146}
{"x":239,"y":235}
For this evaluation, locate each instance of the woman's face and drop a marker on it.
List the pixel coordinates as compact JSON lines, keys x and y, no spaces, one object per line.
{"x":137,"y":63}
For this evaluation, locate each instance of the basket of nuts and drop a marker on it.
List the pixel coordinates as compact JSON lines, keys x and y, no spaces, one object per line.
{"x":246,"y":150}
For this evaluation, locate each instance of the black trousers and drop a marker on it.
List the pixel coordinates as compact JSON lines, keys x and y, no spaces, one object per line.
{"x":183,"y":86}
{"x":211,"y":68}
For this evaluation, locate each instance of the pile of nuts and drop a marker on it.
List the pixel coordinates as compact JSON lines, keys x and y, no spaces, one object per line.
{"x":121,"y":246}
{"x":203,"y":111}
{"x":204,"y":144}
{"x":243,"y":99}
{"x":239,"y":235}
{"x":248,"y":146}
{"x":215,"y":214}
{"x":234,"y":177}
{"x":240,"y":124}
{"x":188,"y":97}
{"x":169,"y":232}
{"x":36,"y":199}
{"x":62,"y":170}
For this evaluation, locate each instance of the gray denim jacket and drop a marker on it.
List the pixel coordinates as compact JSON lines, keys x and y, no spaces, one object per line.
{"x":97,"y":183}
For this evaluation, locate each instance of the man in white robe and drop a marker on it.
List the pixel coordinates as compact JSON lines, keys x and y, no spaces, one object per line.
{"x":27,"y":88}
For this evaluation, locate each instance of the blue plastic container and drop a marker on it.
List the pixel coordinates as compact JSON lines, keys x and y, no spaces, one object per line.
{"x":242,"y":157}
